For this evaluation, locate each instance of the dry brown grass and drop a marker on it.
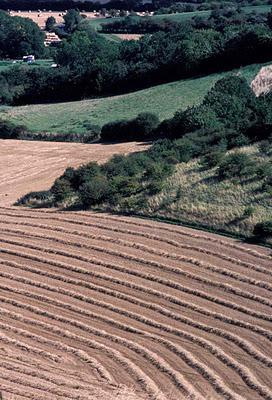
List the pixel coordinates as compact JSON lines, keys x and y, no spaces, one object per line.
{"x":205,"y":201}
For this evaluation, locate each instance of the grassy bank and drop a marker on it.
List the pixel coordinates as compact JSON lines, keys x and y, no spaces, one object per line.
{"x":195,"y":196}
{"x":76,"y":117}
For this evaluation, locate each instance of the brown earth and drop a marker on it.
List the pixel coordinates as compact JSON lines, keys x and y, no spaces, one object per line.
{"x":93,"y":301}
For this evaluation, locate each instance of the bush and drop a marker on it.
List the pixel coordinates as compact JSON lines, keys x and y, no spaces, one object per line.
{"x":61,"y":190}
{"x":212,"y":159}
{"x":139,"y":128}
{"x":94,"y":191}
{"x":263,"y":230}
{"x":235,"y":165}
{"x":35,"y":198}
{"x":10,"y":131}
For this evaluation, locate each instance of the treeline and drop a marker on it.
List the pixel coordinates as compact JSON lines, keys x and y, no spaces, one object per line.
{"x":219,"y":19}
{"x":139,"y":25}
{"x":91,"y":65}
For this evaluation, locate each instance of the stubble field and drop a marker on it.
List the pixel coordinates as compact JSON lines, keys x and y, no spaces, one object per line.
{"x":92,"y":301}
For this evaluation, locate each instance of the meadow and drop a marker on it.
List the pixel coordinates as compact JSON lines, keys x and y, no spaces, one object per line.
{"x":77,"y":117}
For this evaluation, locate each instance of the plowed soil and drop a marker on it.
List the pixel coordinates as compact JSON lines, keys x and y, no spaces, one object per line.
{"x":92,"y":301}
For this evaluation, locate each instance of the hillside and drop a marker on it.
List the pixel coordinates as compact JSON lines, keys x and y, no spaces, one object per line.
{"x":76,"y":117}
{"x":195,"y":196}
{"x":93,"y":301}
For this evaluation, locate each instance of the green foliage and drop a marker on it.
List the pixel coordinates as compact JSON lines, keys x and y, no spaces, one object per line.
{"x":139,"y":128}
{"x":263,"y":230}
{"x":236,"y":165}
{"x":8,"y":130}
{"x":50,"y":23}
{"x":71,"y":20}
{"x":233,"y":102}
{"x":19,"y":37}
{"x":90,"y":64}
{"x":249,"y":211}
{"x":35,"y":198}
{"x":61,"y":190}
{"x":95,"y":190}
{"x":212,"y":159}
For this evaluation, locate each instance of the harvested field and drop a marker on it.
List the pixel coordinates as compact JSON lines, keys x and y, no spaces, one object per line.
{"x":93,"y":301}
{"x":29,"y":166}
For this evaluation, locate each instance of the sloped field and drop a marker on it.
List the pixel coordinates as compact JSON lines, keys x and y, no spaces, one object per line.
{"x":77,"y":116}
{"x":90,"y":301}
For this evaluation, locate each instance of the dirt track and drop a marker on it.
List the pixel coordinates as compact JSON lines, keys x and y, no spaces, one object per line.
{"x":94,"y":300}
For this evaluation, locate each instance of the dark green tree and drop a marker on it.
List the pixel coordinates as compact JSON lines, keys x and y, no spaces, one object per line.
{"x":50,"y":23}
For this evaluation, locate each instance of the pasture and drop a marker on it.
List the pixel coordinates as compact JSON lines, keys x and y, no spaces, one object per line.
{"x":76,"y":117}
{"x":93,"y":301}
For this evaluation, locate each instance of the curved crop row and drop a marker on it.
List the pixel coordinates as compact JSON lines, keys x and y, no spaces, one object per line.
{"x":151,"y":357}
{"x":153,"y":278}
{"x":165,"y":228}
{"x":117,"y":229}
{"x":59,"y":290}
{"x":214,"y":350}
{"x":205,"y":371}
{"x":140,"y":288}
{"x":204,"y":265}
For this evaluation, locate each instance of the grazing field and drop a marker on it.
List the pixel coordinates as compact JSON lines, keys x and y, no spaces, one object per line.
{"x":76,"y":117}
{"x":92,"y":301}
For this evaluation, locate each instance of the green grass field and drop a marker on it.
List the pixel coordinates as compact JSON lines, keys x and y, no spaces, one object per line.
{"x":195,"y":196}
{"x":75,"y":117}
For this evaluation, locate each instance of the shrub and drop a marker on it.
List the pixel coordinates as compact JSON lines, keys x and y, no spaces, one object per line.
{"x":8,"y":130}
{"x":61,"y":190}
{"x":264,"y":170}
{"x":248,"y":211}
{"x":235,"y":165}
{"x":94,"y":190}
{"x":212,"y":159}
{"x":35,"y":198}
{"x":140,"y":128}
{"x":263,"y":230}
